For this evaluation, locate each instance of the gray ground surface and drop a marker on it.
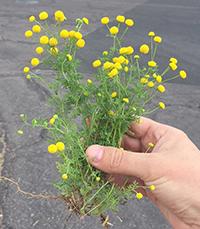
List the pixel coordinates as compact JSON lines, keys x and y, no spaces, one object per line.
{"x":26,"y":160}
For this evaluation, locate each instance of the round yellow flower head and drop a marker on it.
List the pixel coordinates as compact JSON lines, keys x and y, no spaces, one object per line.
{"x":28,"y":34}
{"x":126,"y":69}
{"x":98,"y":179}
{"x":144,"y":49}
{"x":143,"y":80}
{"x":159,"y":78}
{"x":64,"y":176}
{"x":80,"y":43}
{"x":52,"y":121}
{"x":151,"y":34}
{"x":129,"y":22}
{"x":162,"y":105}
{"x":54,"y":51}
{"x":39,"y":50}
{"x":59,"y":16}
{"x":121,"y":59}
{"x":126,"y":100}
{"x":115,"y":59}
{"x":107,"y":65}
{"x":118,"y":66}
{"x":28,"y":77}
{"x":152,"y":187}
{"x":96,"y":63}
{"x":157,"y":39}
{"x":31,"y":18}
{"x":105,"y":20}
{"x":55,"y":116}
{"x":20,"y":132}
{"x":123,"y":50}
{"x":126,"y":61}
{"x":183,"y":74}
{"x":173,"y":66}
{"x":53,"y":41}
{"x":114,"y":94}
{"x":152,"y":63}
{"x":43,"y":15}
{"x":72,"y":33}
{"x":130,"y":50}
{"x":151,"y":145}
{"x":64,"y":33}
{"x":89,"y":81}
{"x":52,"y":148}
{"x":161,"y":88}
{"x":36,"y":29}
{"x":139,"y":196}
{"x":26,"y":69}
{"x":44,"y":40}
{"x":113,"y":73}
{"x":69,"y":57}
{"x":85,"y":20}
{"x":150,"y":84}
{"x":120,"y":18}
{"x":78,"y":35}
{"x":105,"y":53}
{"x":60,"y":146}
{"x":35,"y":62}
{"x":173,"y":60}
{"x":114,"y":30}
{"x":136,"y":57}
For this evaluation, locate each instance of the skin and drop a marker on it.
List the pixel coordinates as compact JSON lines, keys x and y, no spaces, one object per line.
{"x":173,"y":166}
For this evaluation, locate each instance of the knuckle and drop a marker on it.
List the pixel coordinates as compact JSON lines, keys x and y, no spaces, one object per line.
{"x":116,"y":159}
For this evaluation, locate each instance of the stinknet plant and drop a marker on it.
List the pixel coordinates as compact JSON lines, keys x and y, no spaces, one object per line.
{"x":94,"y":110}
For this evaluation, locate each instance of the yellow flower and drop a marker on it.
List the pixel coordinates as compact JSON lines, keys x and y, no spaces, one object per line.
{"x":113,"y":73}
{"x":96,"y":63}
{"x":52,"y":121}
{"x":121,"y":59}
{"x":126,"y":61}
{"x":114,"y":94}
{"x":54,"y":51}
{"x":173,"y":66}
{"x":89,"y":81}
{"x":123,"y":50}
{"x":71,"y":33}
{"x":105,"y":53}
{"x":118,"y":66}
{"x":136,"y":57}
{"x":52,"y":148}
{"x":78,"y":35}
{"x":64,"y":33}
{"x":162,"y":105}
{"x":144,"y":49}
{"x":98,"y":179}
{"x":59,"y":16}
{"x":60,"y":146}
{"x":44,"y":40}
{"x":55,"y":116}
{"x":151,"y":145}
{"x":35,"y":62}
{"x":120,"y":18}
{"x":114,"y":30}
{"x":36,"y":29}
{"x":31,"y":18}
{"x":150,"y":84}
{"x":151,"y":34}
{"x":20,"y":132}
{"x":69,"y":57}
{"x":157,"y":39}
{"x":126,"y":100}
{"x":85,"y":20}
{"x":80,"y":43}
{"x":53,"y":41}
{"x":139,"y":196}
{"x":183,"y":74}
{"x":28,"y":77}
{"x":152,"y":187}
{"x":43,"y":15}
{"x":130,"y":50}
{"x":26,"y":69}
{"x":107,"y":65}
{"x":143,"y":80}
{"x":129,"y":22}
{"x":159,"y":79}
{"x":39,"y":50}
{"x":152,"y":63}
{"x":28,"y":34}
{"x":126,"y":69}
{"x":105,"y":20}
{"x":173,"y":60}
{"x":161,"y":88}
{"x":64,"y":176}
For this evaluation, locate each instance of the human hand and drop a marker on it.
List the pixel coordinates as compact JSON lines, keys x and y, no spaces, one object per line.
{"x":173,"y":167}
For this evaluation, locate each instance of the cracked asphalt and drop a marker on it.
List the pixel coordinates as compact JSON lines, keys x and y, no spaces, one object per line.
{"x":25,"y":159}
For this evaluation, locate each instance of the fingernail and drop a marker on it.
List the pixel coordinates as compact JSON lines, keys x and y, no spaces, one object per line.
{"x":95,"y":153}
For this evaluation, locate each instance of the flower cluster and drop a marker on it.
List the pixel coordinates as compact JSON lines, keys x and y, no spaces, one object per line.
{"x":98,"y":109}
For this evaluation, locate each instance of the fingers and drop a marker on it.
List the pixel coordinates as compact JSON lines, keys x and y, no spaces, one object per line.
{"x":132,"y":144}
{"x":117,"y":161}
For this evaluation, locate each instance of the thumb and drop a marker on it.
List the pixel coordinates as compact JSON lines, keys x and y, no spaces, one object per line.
{"x":118,"y":161}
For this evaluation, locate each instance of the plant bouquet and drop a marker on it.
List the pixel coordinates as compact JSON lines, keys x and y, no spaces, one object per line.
{"x":97,"y":110}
